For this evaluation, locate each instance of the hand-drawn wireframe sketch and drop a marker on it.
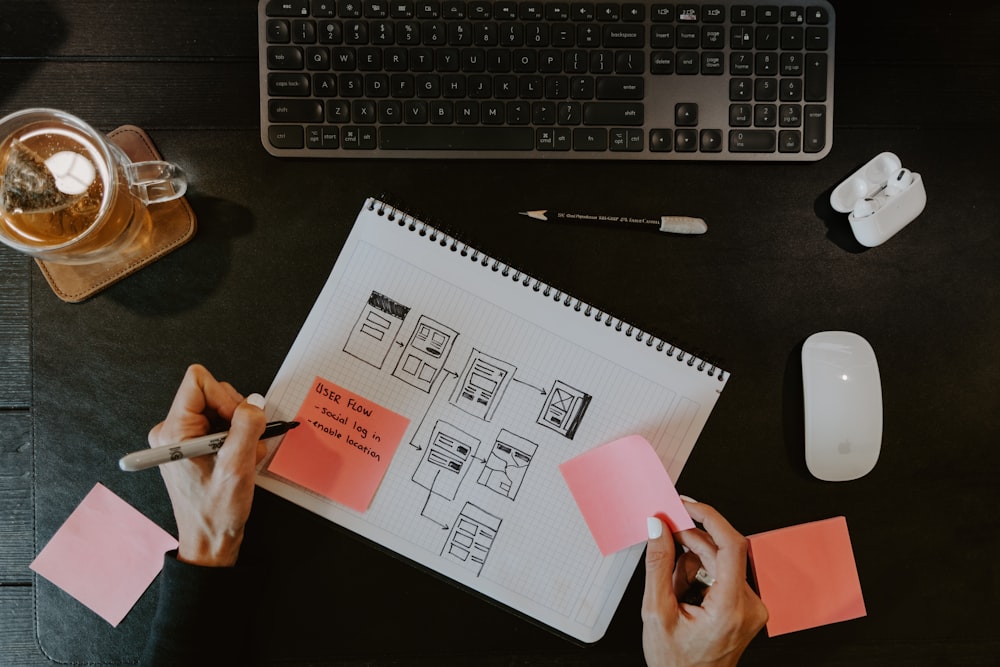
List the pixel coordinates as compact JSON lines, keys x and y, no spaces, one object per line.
{"x":507,"y":464}
{"x":472,"y":537}
{"x":425,"y":354}
{"x":563,"y":409}
{"x":373,"y":334}
{"x":482,"y":384}
{"x":446,"y":460}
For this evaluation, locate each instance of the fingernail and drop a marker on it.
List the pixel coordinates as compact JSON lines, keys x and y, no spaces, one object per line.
{"x":655,"y":527}
{"x":256,"y":400}
{"x":688,"y":499}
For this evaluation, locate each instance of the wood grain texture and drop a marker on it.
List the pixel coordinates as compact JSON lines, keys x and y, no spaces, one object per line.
{"x":15,"y":365}
{"x":100,"y":30}
{"x":152,"y":95}
{"x":18,"y":647}
{"x":16,"y":542}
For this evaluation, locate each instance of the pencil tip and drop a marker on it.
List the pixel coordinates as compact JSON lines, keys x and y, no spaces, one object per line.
{"x":537,"y":215}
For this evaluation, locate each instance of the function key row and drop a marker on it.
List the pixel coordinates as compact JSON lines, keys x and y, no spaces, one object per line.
{"x":534,"y":10}
{"x":536,"y":34}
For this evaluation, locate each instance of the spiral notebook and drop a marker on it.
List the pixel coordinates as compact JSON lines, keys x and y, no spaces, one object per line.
{"x":439,"y":389}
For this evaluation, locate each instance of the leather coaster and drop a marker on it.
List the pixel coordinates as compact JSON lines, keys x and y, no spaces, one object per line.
{"x":173,"y":225}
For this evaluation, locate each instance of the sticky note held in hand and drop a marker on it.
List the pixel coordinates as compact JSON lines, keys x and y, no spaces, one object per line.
{"x":618,"y":486}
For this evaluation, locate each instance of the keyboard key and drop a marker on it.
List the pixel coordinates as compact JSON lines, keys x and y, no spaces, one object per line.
{"x":710,"y":141}
{"x":790,"y":115}
{"x":789,"y":141}
{"x":612,"y":113}
{"x":284,"y":57}
{"x":815,"y":83}
{"x":661,"y":62}
{"x":287,"y":8}
{"x":740,"y":115}
{"x":686,"y":114}
{"x":457,"y":138}
{"x":817,"y":15}
{"x":620,"y":88}
{"x":295,"y":111}
{"x":751,"y":141}
{"x":713,"y":13}
{"x":765,"y":115}
{"x":314,"y":136}
{"x":633,"y":12}
{"x":303,"y":32}
{"x":686,"y":140}
{"x":792,"y":15}
{"x":712,"y":63}
{"x":285,"y":136}
{"x":278,"y":32}
{"x":624,"y":37}
{"x":321,"y":9}
{"x":661,"y":140}
{"x":817,"y":39}
{"x":590,"y":139}
{"x":288,"y":85}
{"x":814,"y":128}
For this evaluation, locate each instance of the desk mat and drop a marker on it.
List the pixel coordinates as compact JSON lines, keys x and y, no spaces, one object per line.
{"x":172,"y":223}
{"x":105,"y":371}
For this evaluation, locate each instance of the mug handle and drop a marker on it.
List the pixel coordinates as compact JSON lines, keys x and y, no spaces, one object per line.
{"x":155,"y":181}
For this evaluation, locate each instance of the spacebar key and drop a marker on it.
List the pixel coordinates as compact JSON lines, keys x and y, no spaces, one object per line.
{"x":456,"y":138}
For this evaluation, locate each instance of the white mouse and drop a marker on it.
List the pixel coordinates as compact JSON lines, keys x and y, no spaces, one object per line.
{"x":842,"y":392}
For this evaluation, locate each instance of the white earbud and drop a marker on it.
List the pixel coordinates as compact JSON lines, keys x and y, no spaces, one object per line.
{"x":898,"y":182}
{"x":865,"y":208}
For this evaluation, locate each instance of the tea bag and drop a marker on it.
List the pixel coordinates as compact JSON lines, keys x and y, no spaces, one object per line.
{"x":29,"y":186}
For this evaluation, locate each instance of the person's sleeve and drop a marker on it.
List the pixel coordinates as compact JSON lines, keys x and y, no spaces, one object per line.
{"x":203,"y":616}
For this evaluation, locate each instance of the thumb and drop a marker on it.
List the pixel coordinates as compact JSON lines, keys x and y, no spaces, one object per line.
{"x":658,"y":596}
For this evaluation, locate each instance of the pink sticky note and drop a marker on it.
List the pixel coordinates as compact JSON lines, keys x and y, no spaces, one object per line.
{"x":343,"y":447}
{"x":619,"y":485}
{"x":105,"y":555}
{"x":806,"y":575}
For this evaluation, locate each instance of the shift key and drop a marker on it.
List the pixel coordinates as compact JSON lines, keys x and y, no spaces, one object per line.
{"x":295,"y":111}
{"x":612,"y":113}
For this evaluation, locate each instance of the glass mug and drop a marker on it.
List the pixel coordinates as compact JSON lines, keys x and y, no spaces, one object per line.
{"x":68,"y":195}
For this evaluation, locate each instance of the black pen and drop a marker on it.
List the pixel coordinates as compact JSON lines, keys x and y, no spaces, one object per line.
{"x":206,"y":444}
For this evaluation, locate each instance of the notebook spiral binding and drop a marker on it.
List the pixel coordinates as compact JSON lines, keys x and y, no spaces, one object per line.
{"x":415,"y":224}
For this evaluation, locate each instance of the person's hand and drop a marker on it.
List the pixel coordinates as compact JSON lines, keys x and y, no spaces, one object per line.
{"x":678,"y":634}
{"x":211,"y":495}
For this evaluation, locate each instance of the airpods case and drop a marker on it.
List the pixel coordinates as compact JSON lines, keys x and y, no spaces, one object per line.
{"x":892,"y":211}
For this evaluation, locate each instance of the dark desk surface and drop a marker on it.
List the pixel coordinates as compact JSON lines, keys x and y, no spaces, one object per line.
{"x":80,"y":384}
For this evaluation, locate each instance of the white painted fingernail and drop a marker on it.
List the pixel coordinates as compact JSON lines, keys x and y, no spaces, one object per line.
{"x":688,"y":499}
{"x":256,"y":400}
{"x":655,"y":527}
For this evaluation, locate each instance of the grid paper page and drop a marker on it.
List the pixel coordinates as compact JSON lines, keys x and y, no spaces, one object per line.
{"x":502,"y":380}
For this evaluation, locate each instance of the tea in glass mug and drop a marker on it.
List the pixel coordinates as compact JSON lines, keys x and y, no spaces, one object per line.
{"x":68,"y":195}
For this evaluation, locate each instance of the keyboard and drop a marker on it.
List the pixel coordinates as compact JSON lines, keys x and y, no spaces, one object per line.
{"x":502,"y":79}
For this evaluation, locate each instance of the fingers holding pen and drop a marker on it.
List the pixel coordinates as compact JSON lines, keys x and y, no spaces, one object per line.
{"x":241,"y":452}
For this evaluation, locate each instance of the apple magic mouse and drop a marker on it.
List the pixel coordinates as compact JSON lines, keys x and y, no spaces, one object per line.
{"x":842,"y":393}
